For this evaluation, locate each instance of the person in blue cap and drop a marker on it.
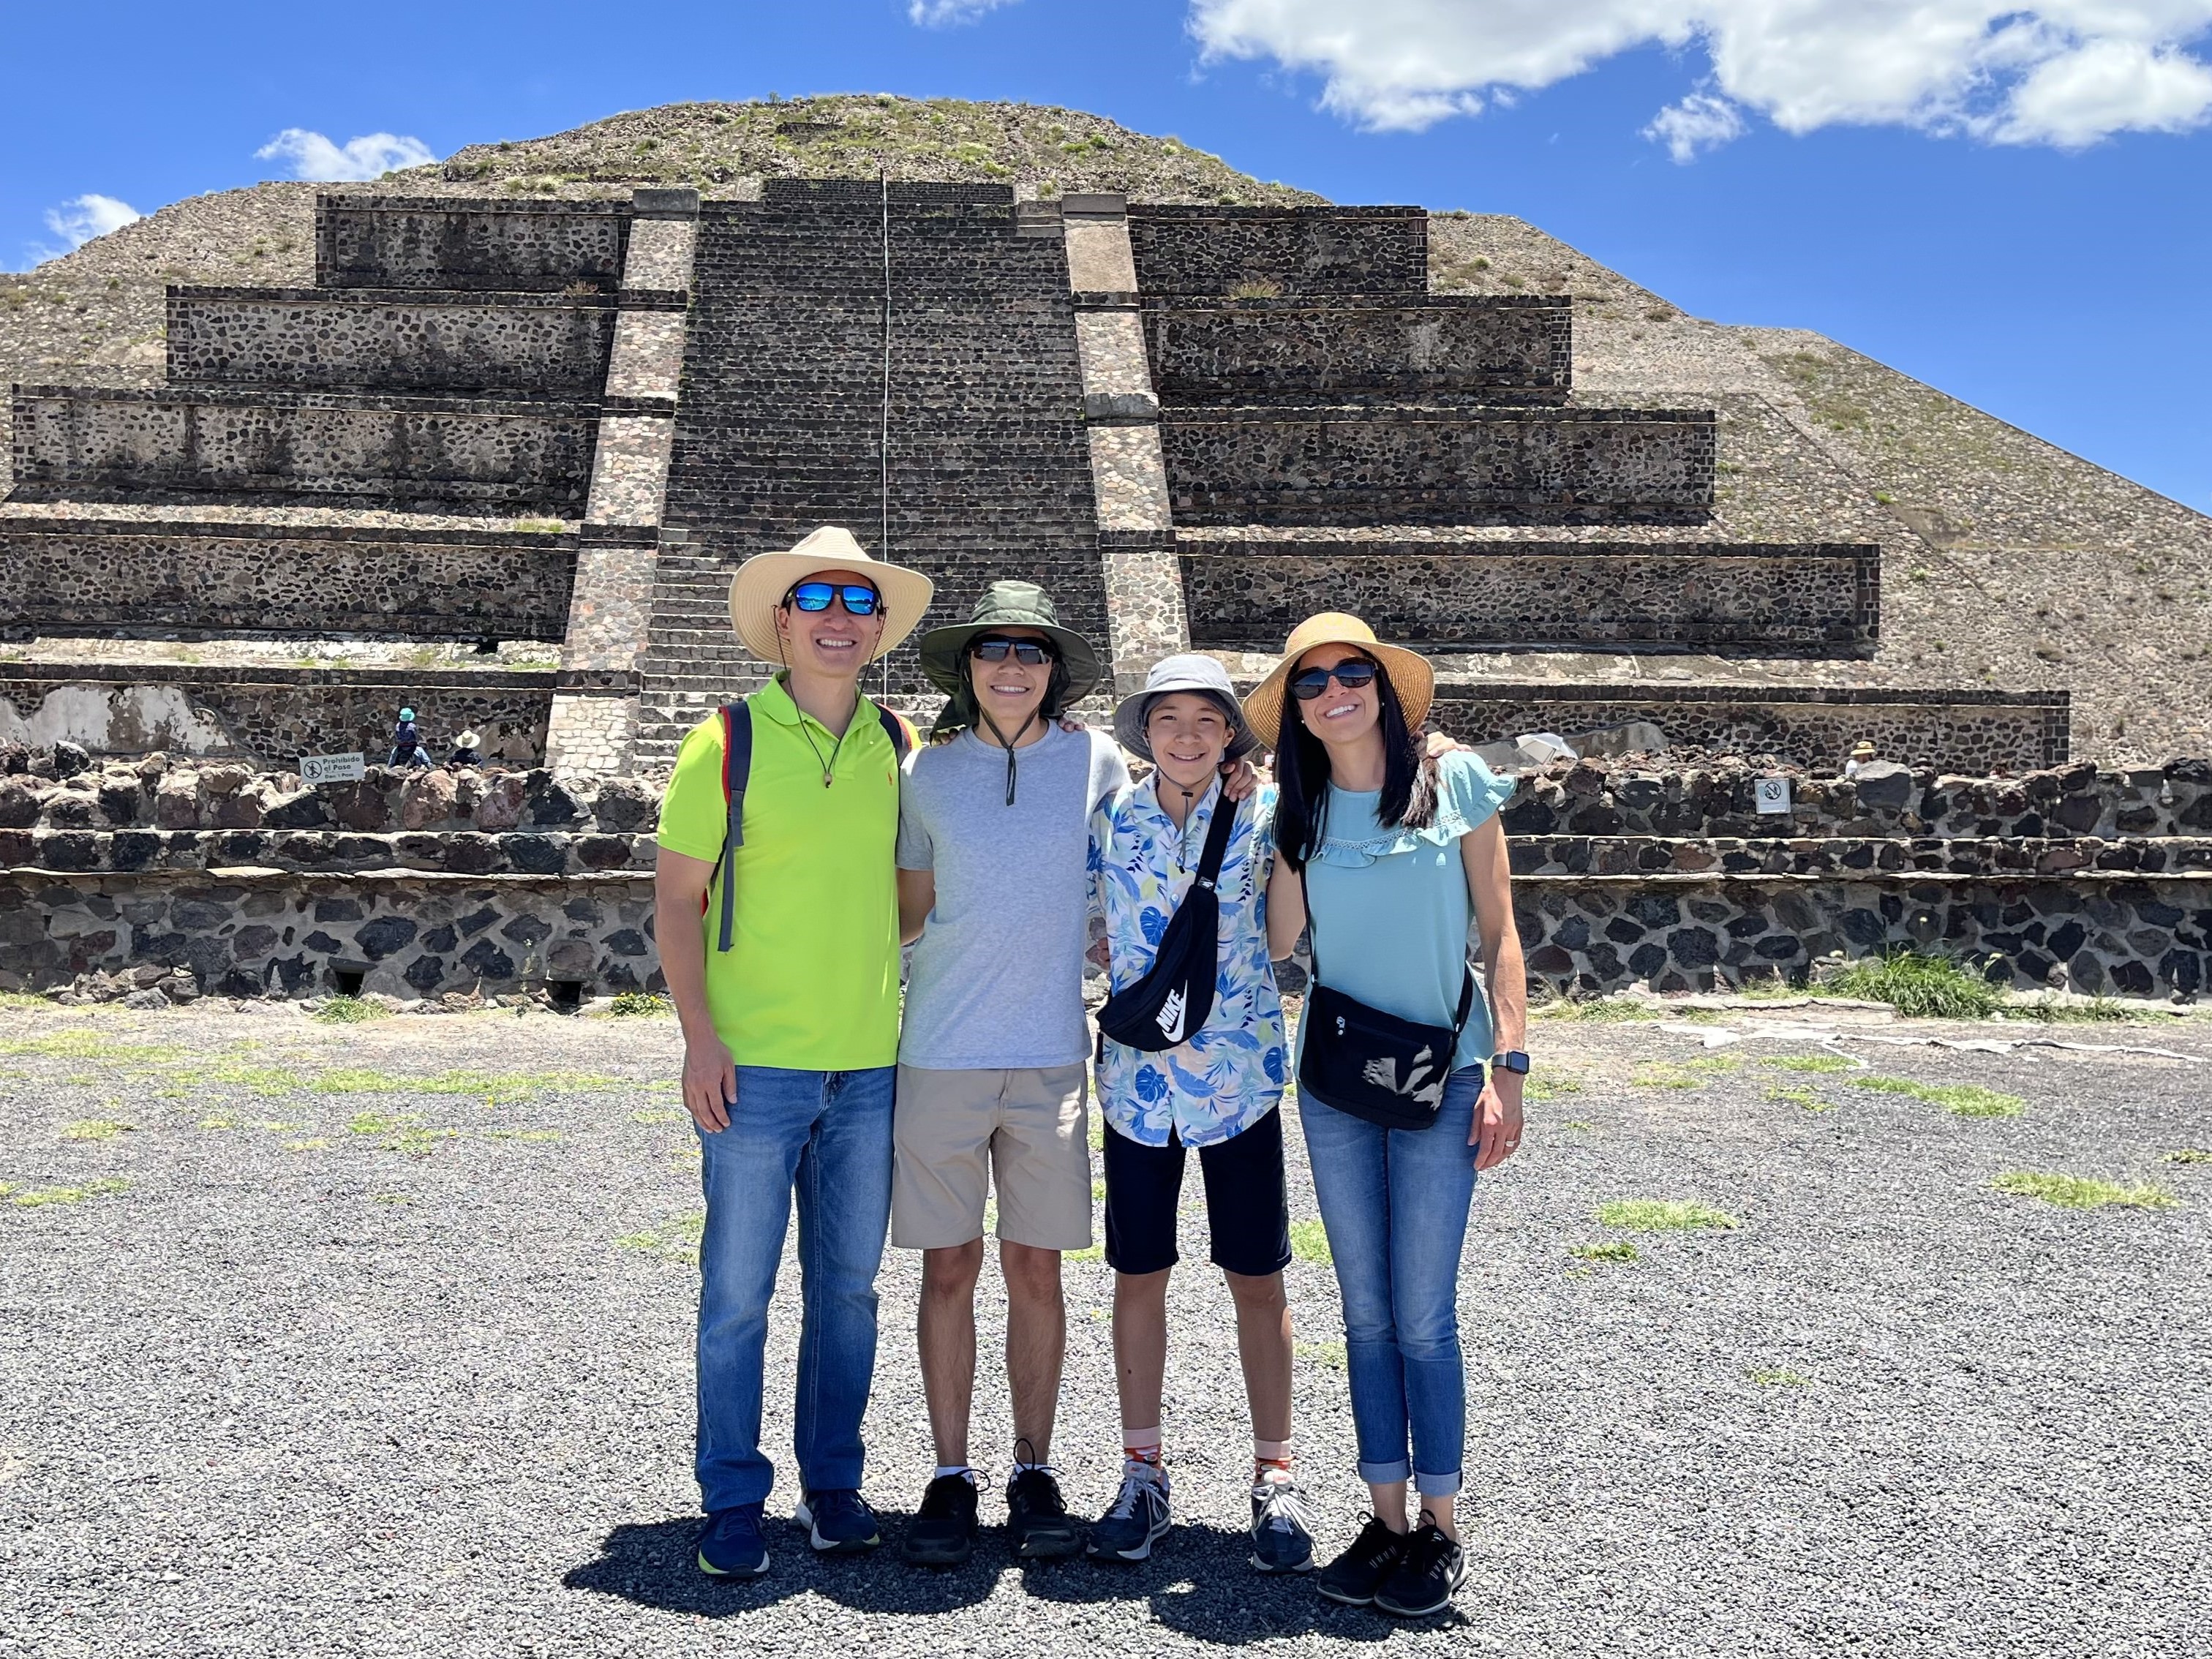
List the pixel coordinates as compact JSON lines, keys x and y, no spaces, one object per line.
{"x":407,"y":746}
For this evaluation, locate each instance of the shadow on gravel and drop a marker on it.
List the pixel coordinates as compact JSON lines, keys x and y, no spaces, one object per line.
{"x":1200,"y":1581}
{"x":652,"y":1563}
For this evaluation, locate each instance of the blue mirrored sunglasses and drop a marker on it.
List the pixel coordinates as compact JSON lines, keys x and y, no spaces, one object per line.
{"x":859,"y":601}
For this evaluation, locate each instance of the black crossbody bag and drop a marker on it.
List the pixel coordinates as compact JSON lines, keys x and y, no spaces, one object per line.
{"x":1374,"y":1065}
{"x":1172,"y":1000}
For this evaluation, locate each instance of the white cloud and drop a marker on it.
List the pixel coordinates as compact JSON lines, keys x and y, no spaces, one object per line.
{"x":371,"y":157}
{"x":77,"y":220}
{"x":1699,"y":121}
{"x":945,"y":14}
{"x":2062,"y":72}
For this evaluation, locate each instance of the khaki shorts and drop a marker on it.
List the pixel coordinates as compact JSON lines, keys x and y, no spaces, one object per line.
{"x":958,"y":1134}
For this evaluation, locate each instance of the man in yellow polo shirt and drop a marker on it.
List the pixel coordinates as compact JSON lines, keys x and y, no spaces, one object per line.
{"x":789,"y":997}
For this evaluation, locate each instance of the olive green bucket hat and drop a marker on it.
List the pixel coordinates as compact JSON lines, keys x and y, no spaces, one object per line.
{"x":1009,"y":605}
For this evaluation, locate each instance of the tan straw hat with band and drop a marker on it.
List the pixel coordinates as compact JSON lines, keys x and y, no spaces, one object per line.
{"x":1411,"y":677}
{"x":762,"y":580}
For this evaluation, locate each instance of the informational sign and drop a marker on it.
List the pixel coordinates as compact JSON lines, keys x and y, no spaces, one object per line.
{"x":341,"y":769}
{"x":1772,"y":794}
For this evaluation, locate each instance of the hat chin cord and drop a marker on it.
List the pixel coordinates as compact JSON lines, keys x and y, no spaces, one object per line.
{"x":1006,"y":742}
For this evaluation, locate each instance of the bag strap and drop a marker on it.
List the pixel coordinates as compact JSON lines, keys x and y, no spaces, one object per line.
{"x":737,"y":769}
{"x":1218,"y":831}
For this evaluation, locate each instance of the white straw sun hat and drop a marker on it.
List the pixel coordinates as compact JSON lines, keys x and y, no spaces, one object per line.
{"x":762,"y":581}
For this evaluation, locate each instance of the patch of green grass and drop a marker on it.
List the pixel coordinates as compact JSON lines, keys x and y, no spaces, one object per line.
{"x":673,"y":1240}
{"x":96,"y":1128}
{"x":532,"y":1135}
{"x":1960,"y":1099}
{"x":659,"y":1115}
{"x":1550,"y":1085}
{"x":37,"y":1197}
{"x":22,"y":1000}
{"x":348,"y":1011}
{"x":1920,"y":986}
{"x":276,"y":1128}
{"x":313,"y":1144}
{"x":1779,"y":1378}
{"x":1330,"y":1354}
{"x":1097,"y":1132}
{"x":2083,"y":1192}
{"x":494,"y":1086}
{"x":2190,"y":1155}
{"x":1618,"y":1250}
{"x":218,"y":1120}
{"x":1089,"y":1253}
{"x":1812,"y":1063}
{"x":1578,"y":1123}
{"x":81,"y":1042}
{"x":417,"y":1143}
{"x":2049,"y":1011}
{"x":1309,"y":1241}
{"x":1597,"y":1010}
{"x":1768,"y":987}
{"x":271,"y":1081}
{"x":1804,"y":1097}
{"x":1659,"y":1215}
{"x":631,"y":1005}
{"x":377,"y":1123}
{"x":540,"y":526}
{"x":1681,"y":1074}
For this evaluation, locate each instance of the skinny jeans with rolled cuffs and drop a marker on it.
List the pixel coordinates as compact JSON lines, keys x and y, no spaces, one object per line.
{"x":1394,"y":1203}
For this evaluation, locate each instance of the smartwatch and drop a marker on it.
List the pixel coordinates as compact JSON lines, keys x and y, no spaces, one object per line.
{"x":1511,"y":1060}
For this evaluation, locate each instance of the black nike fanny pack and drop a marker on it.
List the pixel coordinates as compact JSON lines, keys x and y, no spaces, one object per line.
{"x":1168,"y":1006}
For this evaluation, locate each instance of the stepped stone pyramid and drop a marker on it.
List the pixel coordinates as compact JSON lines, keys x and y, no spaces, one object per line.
{"x":564,"y":419}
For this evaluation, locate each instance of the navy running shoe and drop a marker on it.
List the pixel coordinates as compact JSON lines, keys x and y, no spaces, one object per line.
{"x":731,"y":1545}
{"x":837,"y":1523}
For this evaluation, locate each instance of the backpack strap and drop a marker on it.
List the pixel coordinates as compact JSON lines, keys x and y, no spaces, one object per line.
{"x":737,"y":767}
{"x":1218,"y":830}
{"x":900,"y":733}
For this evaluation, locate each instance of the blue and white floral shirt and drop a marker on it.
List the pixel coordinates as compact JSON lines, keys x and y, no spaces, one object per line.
{"x":1230,"y":1073}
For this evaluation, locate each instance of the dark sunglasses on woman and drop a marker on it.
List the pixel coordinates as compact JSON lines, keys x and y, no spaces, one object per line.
{"x":1352,"y":673}
{"x":1030,"y":653}
{"x":812,"y":597}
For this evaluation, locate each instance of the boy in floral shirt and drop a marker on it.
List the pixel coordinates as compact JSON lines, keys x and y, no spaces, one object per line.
{"x":1217,"y":1091}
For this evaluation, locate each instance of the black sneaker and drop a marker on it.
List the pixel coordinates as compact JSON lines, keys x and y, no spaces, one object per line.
{"x":1431,"y":1568}
{"x":1354,"y":1576}
{"x":942,"y":1533}
{"x":1037,"y":1521}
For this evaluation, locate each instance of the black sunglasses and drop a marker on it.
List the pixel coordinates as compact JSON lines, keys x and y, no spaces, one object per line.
{"x":1352,"y":674}
{"x":1029,"y":652}
{"x":813,"y":597}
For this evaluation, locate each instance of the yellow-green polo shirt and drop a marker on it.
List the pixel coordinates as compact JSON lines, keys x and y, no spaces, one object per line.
{"x":811,"y":981}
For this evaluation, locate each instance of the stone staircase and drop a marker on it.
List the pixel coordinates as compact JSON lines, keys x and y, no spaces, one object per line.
{"x":1336,"y":438}
{"x":782,"y":421}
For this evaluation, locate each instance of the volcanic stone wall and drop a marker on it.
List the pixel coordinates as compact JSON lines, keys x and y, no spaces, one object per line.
{"x":1246,"y":593}
{"x":476,"y":455}
{"x":268,"y":715}
{"x":1230,"y":250}
{"x":396,"y":339}
{"x":1963,"y":731}
{"x":187,"y":577}
{"x":1500,"y":350}
{"x":447,"y":242}
{"x":780,"y":426}
{"x":1409,"y":464}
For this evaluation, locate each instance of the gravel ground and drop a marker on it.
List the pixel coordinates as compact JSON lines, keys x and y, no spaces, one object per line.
{"x":326,"y":1381}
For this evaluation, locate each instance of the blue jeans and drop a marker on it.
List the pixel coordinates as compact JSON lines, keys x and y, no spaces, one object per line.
{"x":1394,"y":1203}
{"x":827,"y":1135}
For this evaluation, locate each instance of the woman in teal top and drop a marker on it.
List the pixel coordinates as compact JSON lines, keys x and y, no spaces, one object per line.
{"x":1390,"y":854}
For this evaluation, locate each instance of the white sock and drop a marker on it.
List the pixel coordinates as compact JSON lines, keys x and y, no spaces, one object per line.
{"x":962,"y":1469}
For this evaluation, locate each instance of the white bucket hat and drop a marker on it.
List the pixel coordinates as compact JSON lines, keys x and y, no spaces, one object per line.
{"x":762,"y":581}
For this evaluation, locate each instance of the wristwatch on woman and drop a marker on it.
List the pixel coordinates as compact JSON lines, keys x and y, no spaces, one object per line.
{"x":1510,"y":1059}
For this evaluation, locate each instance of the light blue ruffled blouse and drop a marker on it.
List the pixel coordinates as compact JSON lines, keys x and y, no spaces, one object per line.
{"x":1389,"y":906}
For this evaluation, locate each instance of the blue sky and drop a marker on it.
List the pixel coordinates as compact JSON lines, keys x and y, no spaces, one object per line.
{"x":1964,"y":190}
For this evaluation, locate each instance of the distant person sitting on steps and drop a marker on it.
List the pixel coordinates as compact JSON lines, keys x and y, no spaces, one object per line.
{"x":468,"y":750}
{"x":407,"y":745}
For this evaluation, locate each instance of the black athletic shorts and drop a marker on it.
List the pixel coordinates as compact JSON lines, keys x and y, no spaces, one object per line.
{"x":1247,"y":1209}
